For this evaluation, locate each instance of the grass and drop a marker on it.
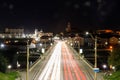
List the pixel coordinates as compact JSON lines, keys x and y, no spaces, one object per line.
{"x":8,"y":76}
{"x":114,"y":76}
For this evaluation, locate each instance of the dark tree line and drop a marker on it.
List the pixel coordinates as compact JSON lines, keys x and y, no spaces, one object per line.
{"x":114,"y":58}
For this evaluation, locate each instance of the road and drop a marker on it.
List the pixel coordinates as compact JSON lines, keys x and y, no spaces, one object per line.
{"x":63,"y":64}
{"x":52,"y":68}
{"x":71,"y":69}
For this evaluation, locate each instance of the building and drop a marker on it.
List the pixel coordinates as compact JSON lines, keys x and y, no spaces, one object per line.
{"x":12,"y":33}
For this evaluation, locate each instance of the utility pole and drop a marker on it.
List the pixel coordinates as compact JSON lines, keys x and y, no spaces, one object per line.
{"x":27,"y":65}
{"x":95,"y":66}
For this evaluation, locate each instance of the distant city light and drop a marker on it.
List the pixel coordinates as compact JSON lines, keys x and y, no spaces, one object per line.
{"x":2,"y":45}
{"x":71,"y":44}
{"x":40,"y":44}
{"x":51,"y":44}
{"x":111,"y":47}
{"x":87,"y":33}
{"x":106,"y":43}
{"x":37,"y":38}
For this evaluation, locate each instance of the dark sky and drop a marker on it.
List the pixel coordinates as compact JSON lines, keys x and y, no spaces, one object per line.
{"x":53,"y":15}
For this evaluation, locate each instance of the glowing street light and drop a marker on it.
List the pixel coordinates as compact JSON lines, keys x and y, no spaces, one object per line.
{"x":41,"y":44}
{"x":2,"y":45}
{"x":9,"y":67}
{"x":104,"y":66}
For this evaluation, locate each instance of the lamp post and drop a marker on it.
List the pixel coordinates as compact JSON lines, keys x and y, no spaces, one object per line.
{"x":95,"y":47}
{"x":95,"y":57}
{"x":27,"y":69}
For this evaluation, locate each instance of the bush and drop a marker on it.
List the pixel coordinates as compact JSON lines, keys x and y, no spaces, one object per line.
{"x":118,"y":67}
{"x":3,"y":64}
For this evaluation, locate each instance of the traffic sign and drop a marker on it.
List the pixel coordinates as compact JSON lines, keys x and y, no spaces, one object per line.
{"x":96,"y":69}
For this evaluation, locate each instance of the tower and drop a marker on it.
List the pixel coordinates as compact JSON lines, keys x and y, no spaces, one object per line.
{"x":68,"y":29}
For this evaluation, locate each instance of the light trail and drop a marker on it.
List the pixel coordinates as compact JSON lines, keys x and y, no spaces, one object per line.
{"x":67,"y":70}
{"x":71,"y":69}
{"x":72,"y":64}
{"x":56,"y":69}
{"x":76,"y":67}
{"x":52,"y":68}
{"x":65,"y":67}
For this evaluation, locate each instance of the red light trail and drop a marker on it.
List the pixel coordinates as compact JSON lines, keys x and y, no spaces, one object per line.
{"x":72,"y":70}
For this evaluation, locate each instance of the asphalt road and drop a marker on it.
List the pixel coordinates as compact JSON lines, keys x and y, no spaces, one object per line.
{"x":62,"y":64}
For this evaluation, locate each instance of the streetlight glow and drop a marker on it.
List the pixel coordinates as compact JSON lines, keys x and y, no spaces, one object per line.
{"x":104,"y":66}
{"x":87,"y":33}
{"x":9,"y":66}
{"x":2,"y":45}
{"x":41,"y":44}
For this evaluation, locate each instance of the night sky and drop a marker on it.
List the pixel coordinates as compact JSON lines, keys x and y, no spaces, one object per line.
{"x":53,"y":15}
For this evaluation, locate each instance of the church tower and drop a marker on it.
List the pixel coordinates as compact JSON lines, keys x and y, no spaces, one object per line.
{"x":68,"y":29}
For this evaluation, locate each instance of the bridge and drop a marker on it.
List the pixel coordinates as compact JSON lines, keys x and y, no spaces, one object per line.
{"x":61,"y":62}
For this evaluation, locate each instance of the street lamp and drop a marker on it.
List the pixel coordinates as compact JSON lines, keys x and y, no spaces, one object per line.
{"x":95,"y":47}
{"x":104,"y":66}
{"x":2,"y":45}
{"x":9,"y":67}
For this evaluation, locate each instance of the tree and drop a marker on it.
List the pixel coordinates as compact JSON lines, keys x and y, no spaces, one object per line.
{"x":114,"y":58}
{"x":3,"y":64}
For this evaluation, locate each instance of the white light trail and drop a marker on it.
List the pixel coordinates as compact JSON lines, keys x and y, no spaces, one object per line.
{"x":52,"y":68}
